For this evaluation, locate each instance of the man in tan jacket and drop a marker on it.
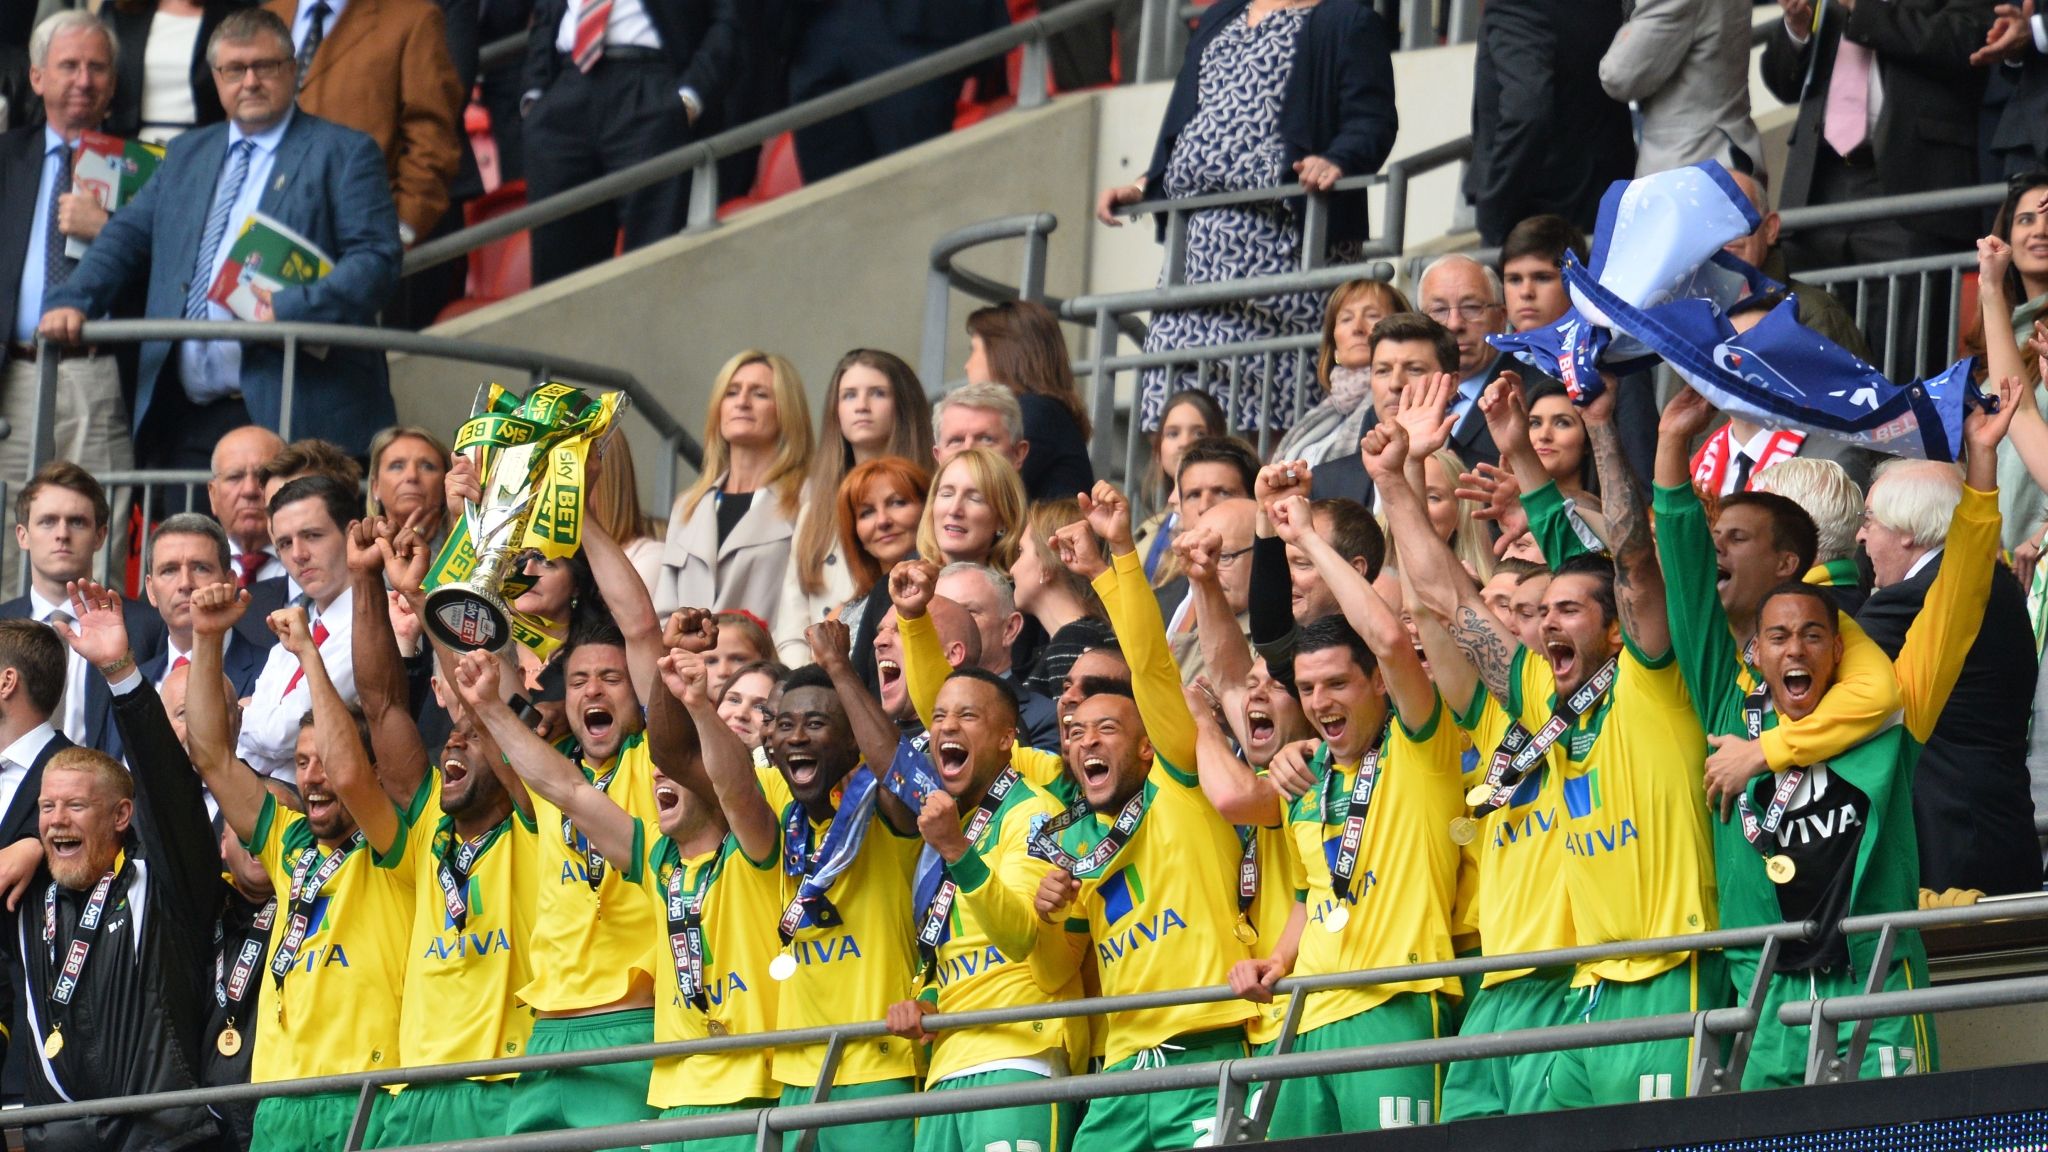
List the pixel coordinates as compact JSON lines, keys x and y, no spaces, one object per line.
{"x":382,"y":68}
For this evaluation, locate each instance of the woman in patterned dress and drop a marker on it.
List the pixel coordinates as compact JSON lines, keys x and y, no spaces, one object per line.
{"x":1270,"y":91}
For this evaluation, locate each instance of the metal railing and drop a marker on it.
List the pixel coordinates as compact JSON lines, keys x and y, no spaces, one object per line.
{"x":1240,"y":1116}
{"x":682,"y":446}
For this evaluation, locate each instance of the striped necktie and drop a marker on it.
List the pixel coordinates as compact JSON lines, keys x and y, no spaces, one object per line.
{"x":217,"y":228}
{"x":590,"y":26}
{"x":314,"y":34}
{"x":56,"y":265}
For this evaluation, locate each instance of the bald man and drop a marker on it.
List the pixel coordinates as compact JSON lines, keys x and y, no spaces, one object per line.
{"x":236,"y":493}
{"x":943,"y":636}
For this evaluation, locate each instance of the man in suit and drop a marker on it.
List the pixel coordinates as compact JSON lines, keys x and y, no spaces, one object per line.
{"x":610,"y":83}
{"x":1972,"y":800}
{"x":1887,"y":105}
{"x":1545,"y":137}
{"x":381,"y":67}
{"x":72,"y":66}
{"x":845,"y":41}
{"x":60,"y":521}
{"x":1409,"y":348}
{"x":188,"y":552}
{"x":1685,"y":64}
{"x":235,"y":493}
{"x":326,"y":182}
{"x":309,"y":518}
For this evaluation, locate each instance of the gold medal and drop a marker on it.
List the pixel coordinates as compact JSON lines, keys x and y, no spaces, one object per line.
{"x":1780,"y":869}
{"x":1336,"y":919}
{"x":782,"y":967}
{"x":230,"y":1041}
{"x":715,"y":1027}
{"x":53,"y":1044}
{"x":1464,"y":830}
{"x":1244,"y":931}
{"x":1477,"y":795}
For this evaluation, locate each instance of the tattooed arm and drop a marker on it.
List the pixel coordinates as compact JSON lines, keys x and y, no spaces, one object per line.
{"x":1638,"y":580}
{"x":1442,"y":585}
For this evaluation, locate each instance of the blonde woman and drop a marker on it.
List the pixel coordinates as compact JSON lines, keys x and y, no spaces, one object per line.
{"x":874,"y":408}
{"x":729,"y":535}
{"x":1451,"y":517}
{"x":975,"y":513}
{"x":408,"y":474}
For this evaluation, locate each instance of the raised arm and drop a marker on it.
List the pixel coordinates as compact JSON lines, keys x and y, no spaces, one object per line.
{"x":1155,"y":678}
{"x":1408,"y":686}
{"x":1638,"y":579}
{"x":2003,"y":355}
{"x":342,"y":755}
{"x":1233,"y":789}
{"x":727,"y":780}
{"x":911,"y":585}
{"x":875,"y":734}
{"x":674,"y":739}
{"x":235,"y":787}
{"x":381,"y":683}
{"x":546,"y":771}
{"x":632,"y":609}
{"x":1270,"y":604}
{"x":1440,"y":582}
{"x":1225,"y":652}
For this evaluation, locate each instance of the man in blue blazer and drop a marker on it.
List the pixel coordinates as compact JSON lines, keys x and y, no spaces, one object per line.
{"x":324,"y":181}
{"x":188,"y":552}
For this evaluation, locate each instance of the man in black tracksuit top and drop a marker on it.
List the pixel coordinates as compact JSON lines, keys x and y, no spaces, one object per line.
{"x":112,"y":943}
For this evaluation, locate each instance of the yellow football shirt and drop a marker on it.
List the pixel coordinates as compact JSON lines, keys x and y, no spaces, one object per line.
{"x":460,"y":1001}
{"x":739,"y":940}
{"x":1638,"y":861}
{"x":1406,"y":875}
{"x":593,"y":947}
{"x":1523,"y":904}
{"x":853,"y":970}
{"x":338,"y":1010}
{"x":993,"y":957}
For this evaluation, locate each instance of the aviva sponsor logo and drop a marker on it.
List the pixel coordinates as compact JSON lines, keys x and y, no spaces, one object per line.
{"x":716,"y":990}
{"x":968,"y":962}
{"x":1121,"y":894}
{"x":826,"y":950}
{"x":1582,"y":800}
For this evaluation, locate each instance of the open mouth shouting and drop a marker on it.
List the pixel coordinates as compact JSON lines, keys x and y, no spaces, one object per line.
{"x":64,"y":846}
{"x":453,"y":772}
{"x":666,"y":796}
{"x":887,"y":673}
{"x":802,"y":766}
{"x":1563,"y":659}
{"x":1332,"y":725}
{"x":1094,"y":770}
{"x":598,"y":722}
{"x":952,"y":759}
{"x":1796,"y":686}
{"x":321,"y":805}
{"x":1258,"y":726}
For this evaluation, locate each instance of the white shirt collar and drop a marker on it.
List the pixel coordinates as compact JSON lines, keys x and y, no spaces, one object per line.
{"x":30,"y":745}
{"x":1922,"y":562}
{"x":267,"y":139}
{"x":41,"y":608}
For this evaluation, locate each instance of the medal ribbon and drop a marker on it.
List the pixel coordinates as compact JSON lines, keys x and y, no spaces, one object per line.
{"x":1355,"y":812}
{"x":307,"y":884}
{"x":457,"y":858}
{"x":229,"y":986}
{"x":1046,"y":845}
{"x":593,"y":860}
{"x":939,"y":906}
{"x":1247,"y":868}
{"x":1519,"y":751}
{"x":685,"y":908}
{"x":88,"y":930}
{"x":1760,"y":832}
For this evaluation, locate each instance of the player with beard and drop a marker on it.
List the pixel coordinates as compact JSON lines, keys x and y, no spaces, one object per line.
{"x":1379,"y":891}
{"x":338,"y":951}
{"x":474,"y":855}
{"x":1833,"y":837}
{"x":1609,"y":702}
{"x":1147,"y":864}
{"x":982,"y":943}
{"x":845,"y":850}
{"x":109,"y":947}
{"x":714,"y":897}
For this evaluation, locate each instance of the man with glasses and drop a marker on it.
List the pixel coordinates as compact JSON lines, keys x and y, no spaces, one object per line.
{"x":319,"y":179}
{"x":236,"y":495}
{"x":1464,"y":296}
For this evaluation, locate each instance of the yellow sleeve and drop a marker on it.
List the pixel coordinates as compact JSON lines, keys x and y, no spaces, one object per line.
{"x":1000,"y":888}
{"x":1864,"y":698}
{"x":924,"y":663}
{"x":1155,"y":678}
{"x":1942,"y":634}
{"x":1040,"y":769}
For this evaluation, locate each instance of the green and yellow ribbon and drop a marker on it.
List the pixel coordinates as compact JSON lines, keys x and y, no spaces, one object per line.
{"x":566,"y":424}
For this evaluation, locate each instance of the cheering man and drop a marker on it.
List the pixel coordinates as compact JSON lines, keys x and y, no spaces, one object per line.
{"x":338,"y":952}
{"x":110,"y":945}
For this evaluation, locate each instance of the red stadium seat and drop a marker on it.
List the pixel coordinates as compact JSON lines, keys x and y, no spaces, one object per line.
{"x":500,"y":269}
{"x":777,"y":176}
{"x":1966,"y":306}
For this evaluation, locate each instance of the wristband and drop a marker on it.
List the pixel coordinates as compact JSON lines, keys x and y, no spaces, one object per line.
{"x":114,"y":670}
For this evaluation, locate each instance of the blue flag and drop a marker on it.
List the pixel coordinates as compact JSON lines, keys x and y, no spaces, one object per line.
{"x":1656,"y":241}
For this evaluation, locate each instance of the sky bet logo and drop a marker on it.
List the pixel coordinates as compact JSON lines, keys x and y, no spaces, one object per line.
{"x":1121,"y":895}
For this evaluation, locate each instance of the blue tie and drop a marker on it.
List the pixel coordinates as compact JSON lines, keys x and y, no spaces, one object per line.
{"x":56,"y":265}
{"x":217,"y":229}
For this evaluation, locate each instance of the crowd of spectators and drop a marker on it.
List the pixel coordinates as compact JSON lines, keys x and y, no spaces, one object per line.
{"x":902,"y":709}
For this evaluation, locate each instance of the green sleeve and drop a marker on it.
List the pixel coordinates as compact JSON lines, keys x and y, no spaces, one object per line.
{"x":1699,"y":628}
{"x":1552,"y":525}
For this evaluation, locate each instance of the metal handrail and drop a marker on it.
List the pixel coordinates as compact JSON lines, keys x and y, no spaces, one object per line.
{"x":539,"y":366}
{"x":1761,"y":936}
{"x":501,"y":51}
{"x":702,"y":156}
{"x":1890,"y":207}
